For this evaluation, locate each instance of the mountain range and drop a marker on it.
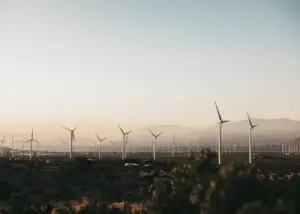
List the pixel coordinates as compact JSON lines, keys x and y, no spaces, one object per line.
{"x":267,"y":131}
{"x":275,"y":131}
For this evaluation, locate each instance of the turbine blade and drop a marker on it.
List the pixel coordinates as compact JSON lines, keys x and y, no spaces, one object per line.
{"x":225,"y":121}
{"x":121,"y":129}
{"x":24,"y":139}
{"x":103,"y":139}
{"x":151,"y":132}
{"x":249,"y":120}
{"x":127,"y":133}
{"x":254,"y":126}
{"x":219,"y":115}
{"x":66,"y":128}
{"x":159,"y":134}
{"x":75,"y":127}
{"x":98,"y":137}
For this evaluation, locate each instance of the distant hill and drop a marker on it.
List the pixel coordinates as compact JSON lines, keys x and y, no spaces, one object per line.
{"x":168,"y":130}
{"x":267,"y":131}
{"x":270,"y":126}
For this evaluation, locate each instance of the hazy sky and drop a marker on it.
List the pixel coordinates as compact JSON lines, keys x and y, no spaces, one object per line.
{"x":147,"y":62}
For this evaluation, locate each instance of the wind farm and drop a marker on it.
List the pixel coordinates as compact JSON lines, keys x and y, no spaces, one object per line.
{"x":183,"y":146}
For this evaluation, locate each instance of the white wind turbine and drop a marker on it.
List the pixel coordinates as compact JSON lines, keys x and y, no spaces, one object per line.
{"x":72,"y":132}
{"x":220,"y":125}
{"x":100,"y":146}
{"x":124,"y":141}
{"x":13,"y":141}
{"x":173,"y":146}
{"x":22,"y":146}
{"x":111,"y":142}
{"x":251,"y":127}
{"x":13,"y":146}
{"x":31,"y":140}
{"x":155,"y":136}
{"x":2,"y":145}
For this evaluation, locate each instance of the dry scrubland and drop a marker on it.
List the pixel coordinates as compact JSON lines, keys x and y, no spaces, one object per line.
{"x":183,"y":185}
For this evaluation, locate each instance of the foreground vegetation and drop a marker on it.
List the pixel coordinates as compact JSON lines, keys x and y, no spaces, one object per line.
{"x":190,"y":185}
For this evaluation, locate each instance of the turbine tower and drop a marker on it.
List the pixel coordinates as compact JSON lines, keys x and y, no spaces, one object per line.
{"x":127,"y":150}
{"x":100,"y":145}
{"x":13,"y":146}
{"x":251,"y":127}
{"x":2,"y":145}
{"x":155,"y":136}
{"x":124,"y":141}
{"x":72,"y":132}
{"x":220,"y":125}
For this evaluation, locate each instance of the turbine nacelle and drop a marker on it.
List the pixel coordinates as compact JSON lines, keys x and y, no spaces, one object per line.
{"x":72,"y":131}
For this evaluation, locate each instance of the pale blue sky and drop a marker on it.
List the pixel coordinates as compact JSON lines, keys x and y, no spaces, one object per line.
{"x":148,"y":62}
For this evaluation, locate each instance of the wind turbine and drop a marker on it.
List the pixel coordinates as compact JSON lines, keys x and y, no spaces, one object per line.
{"x":100,"y":146}
{"x":111,"y":142}
{"x":124,"y":141}
{"x":22,"y":146}
{"x":31,"y":140}
{"x":2,"y":145}
{"x":220,"y":124}
{"x":251,"y":127}
{"x":13,"y":146}
{"x":13,"y":141}
{"x":173,"y":144}
{"x":155,"y":136}
{"x":72,"y":132}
